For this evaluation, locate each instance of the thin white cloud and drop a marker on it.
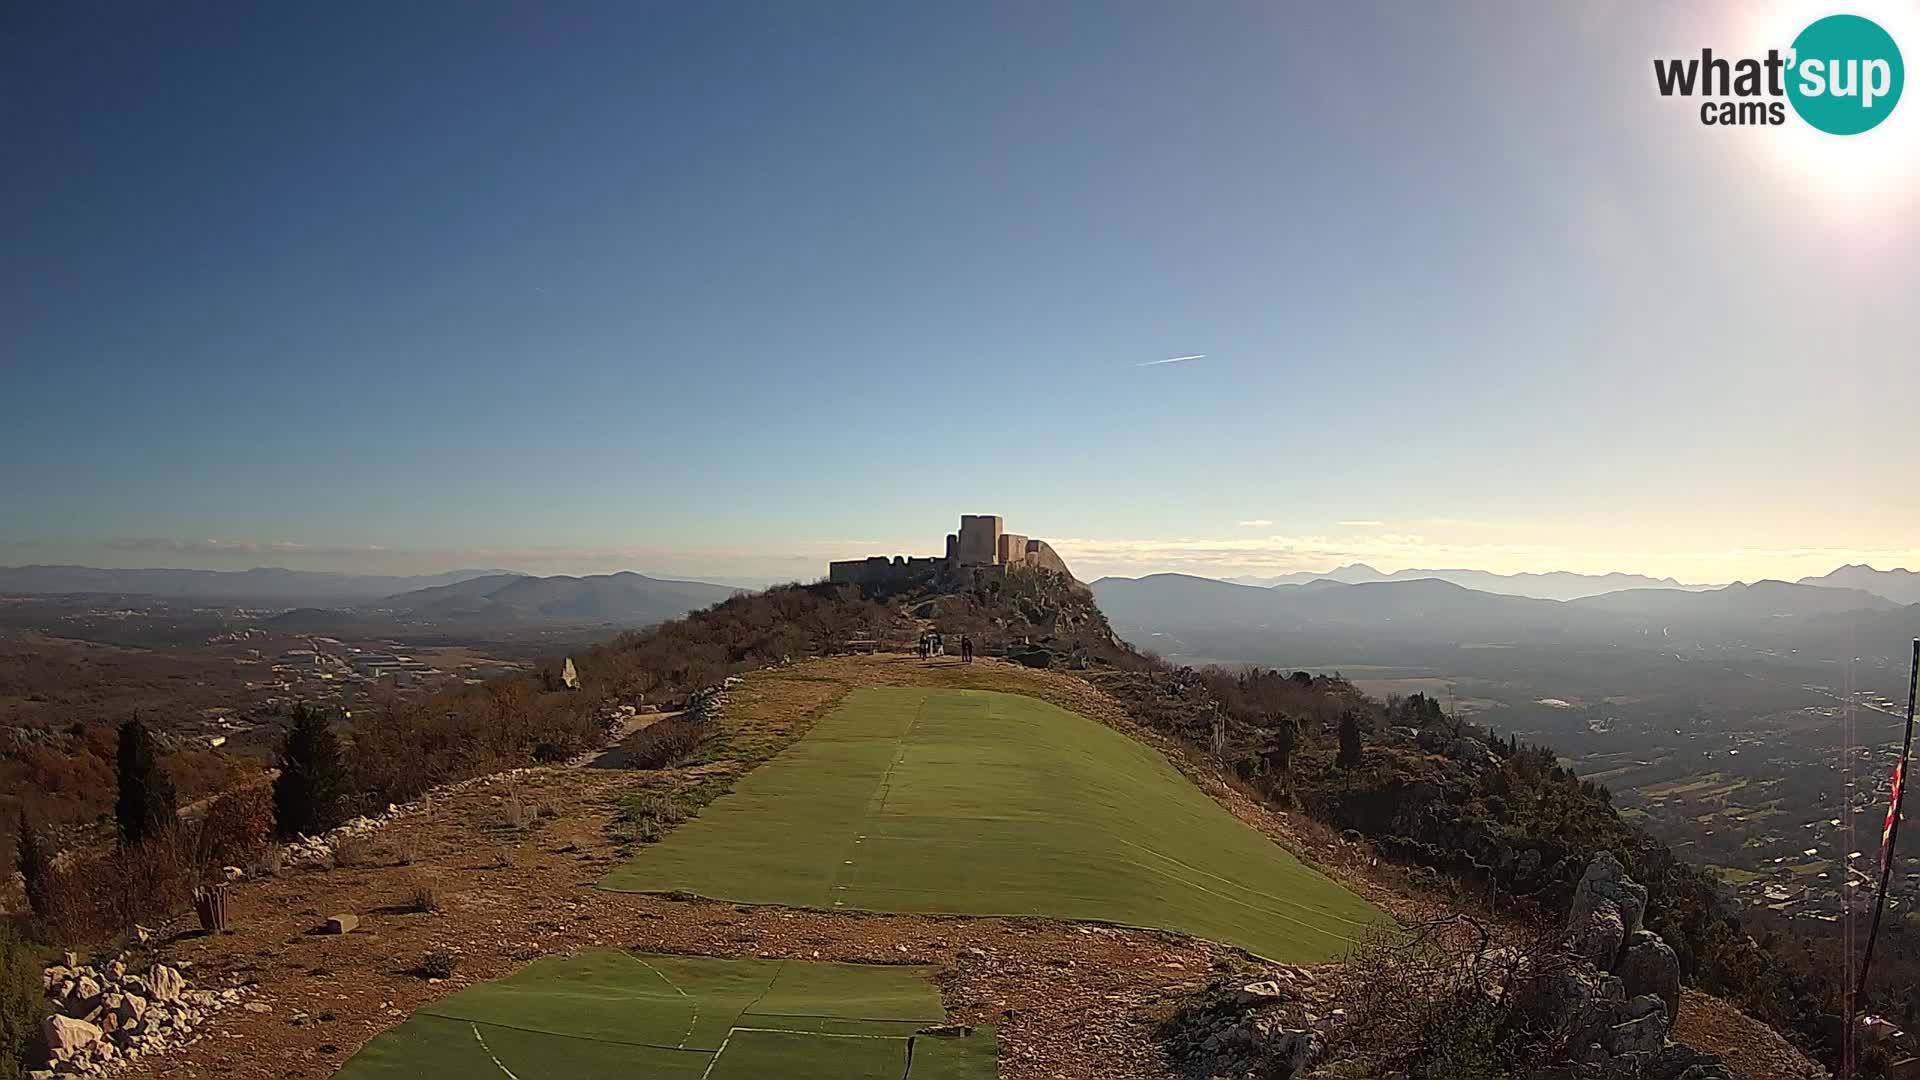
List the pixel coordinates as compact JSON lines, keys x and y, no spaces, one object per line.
{"x":216,"y":546}
{"x":1360,"y":524}
{"x":1172,"y":360}
{"x":1256,"y":523}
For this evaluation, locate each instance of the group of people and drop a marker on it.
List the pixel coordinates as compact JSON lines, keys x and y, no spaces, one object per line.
{"x":934,"y":644}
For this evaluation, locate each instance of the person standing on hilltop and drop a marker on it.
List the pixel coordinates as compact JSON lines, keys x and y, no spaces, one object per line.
{"x":966,"y":648}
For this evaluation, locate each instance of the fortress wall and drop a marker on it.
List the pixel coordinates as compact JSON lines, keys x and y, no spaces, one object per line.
{"x":1041,"y":554}
{"x":882,"y":570}
{"x":1012,"y":548}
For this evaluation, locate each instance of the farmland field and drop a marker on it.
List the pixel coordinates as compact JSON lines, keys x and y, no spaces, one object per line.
{"x":612,"y":1014}
{"x":980,"y":803}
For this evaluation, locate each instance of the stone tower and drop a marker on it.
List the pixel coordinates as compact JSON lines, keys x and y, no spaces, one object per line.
{"x":979,"y":539}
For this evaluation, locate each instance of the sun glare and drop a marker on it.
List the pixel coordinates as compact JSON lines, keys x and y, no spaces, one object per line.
{"x":1851,"y":174}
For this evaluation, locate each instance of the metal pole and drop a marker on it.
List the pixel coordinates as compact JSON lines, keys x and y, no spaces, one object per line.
{"x":1893,"y":831}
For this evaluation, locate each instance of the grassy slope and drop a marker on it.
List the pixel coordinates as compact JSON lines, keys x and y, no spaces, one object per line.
{"x":980,"y":803}
{"x":608,"y":1014}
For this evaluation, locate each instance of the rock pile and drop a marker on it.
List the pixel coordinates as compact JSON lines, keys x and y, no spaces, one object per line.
{"x":105,"y":1016}
{"x":616,"y":719}
{"x":307,"y":849}
{"x":1274,"y":1027}
{"x":705,"y":706}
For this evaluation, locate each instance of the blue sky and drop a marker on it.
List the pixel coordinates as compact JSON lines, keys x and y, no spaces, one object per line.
{"x":731,"y":289}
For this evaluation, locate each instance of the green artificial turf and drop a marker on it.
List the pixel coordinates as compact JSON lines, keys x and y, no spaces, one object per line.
{"x":636,"y":1016}
{"x":980,"y":803}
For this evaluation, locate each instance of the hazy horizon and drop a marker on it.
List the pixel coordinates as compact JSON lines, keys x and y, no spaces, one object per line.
{"x":743,"y":568}
{"x":730,"y":291}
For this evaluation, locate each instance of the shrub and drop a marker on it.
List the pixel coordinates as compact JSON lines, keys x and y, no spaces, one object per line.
{"x":22,"y":1006}
{"x":437,"y":964}
{"x":310,"y":792}
{"x":665,"y":742}
{"x":156,"y":879}
{"x":271,"y":861}
{"x":515,"y":812}
{"x":146,"y":803}
{"x":238,"y":826}
{"x":148,"y":882}
{"x":425,"y":897}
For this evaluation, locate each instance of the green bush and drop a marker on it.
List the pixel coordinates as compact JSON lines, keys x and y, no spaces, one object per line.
{"x":23,"y":1006}
{"x":1458,"y":1038}
{"x":309,"y":795}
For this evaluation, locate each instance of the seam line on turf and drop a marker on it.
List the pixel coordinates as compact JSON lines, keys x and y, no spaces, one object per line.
{"x":820,"y":1034}
{"x":921,"y":1020}
{"x":882,"y":791}
{"x":763,"y":996}
{"x":562,"y":1034}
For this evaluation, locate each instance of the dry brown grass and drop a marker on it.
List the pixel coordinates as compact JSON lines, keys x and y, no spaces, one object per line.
{"x":352,"y":851}
{"x":424,"y":897}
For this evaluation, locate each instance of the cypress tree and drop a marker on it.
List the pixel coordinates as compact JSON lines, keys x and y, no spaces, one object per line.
{"x":147,"y":804}
{"x":1349,"y":755}
{"x":309,"y":795}
{"x":36,"y":866}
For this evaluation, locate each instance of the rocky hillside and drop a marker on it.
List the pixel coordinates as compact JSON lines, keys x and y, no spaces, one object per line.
{"x":1443,"y":824}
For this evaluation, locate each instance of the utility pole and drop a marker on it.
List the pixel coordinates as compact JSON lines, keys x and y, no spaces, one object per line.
{"x":1892,"y":832}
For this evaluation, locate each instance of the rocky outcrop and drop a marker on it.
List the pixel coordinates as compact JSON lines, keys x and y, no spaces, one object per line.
{"x":1649,"y":966}
{"x":1606,"y":880}
{"x":1609,"y":996}
{"x":1599,"y":935}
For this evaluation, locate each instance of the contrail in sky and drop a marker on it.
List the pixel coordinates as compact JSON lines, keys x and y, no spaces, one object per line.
{"x":1173,"y":360}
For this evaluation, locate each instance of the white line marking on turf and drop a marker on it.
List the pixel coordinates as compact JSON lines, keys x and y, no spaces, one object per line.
{"x":483,"y":1045}
{"x":656,"y":971}
{"x":691,"y":1024}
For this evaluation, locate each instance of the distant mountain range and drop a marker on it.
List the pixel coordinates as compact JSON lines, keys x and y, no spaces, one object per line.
{"x":1202,"y":616}
{"x":1422,"y":607}
{"x":1900,"y":586}
{"x":1760,"y":600}
{"x":366,"y":602}
{"x":266,"y":585}
{"x":1557,"y":585}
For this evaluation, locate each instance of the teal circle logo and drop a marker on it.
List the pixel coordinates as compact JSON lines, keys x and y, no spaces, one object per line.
{"x":1847,"y":74}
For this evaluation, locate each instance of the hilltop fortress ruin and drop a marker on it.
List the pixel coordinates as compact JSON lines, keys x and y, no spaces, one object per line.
{"x":982,"y":547}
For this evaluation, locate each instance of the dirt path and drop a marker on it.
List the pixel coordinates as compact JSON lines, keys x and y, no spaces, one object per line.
{"x":614,"y":754}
